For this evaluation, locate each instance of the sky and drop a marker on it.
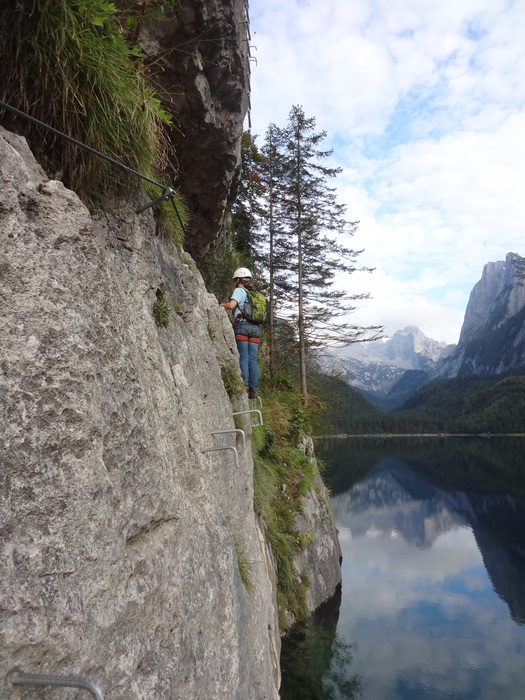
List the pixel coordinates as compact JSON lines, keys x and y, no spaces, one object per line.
{"x":423,"y":104}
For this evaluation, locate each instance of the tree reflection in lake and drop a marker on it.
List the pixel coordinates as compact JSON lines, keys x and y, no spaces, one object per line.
{"x":315,"y":662}
{"x":433,"y":540}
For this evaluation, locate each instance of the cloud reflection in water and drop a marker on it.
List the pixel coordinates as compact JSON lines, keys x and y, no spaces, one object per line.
{"x":417,"y":600}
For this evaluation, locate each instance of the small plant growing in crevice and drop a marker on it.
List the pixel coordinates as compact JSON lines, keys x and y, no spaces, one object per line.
{"x":303,"y":539}
{"x":161,"y":312}
{"x":244,"y":564}
{"x":170,"y":216}
{"x":232,"y":381}
{"x":163,"y":307}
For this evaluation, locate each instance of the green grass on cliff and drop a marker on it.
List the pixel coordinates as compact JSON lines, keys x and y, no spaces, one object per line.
{"x":65,"y":63}
{"x":282,"y":475}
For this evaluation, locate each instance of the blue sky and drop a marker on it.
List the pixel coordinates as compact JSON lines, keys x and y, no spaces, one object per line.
{"x":423,"y":102}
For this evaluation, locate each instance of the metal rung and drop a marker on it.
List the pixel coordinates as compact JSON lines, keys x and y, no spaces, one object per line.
{"x":37,"y":680}
{"x":255,"y":401}
{"x":232,"y":430}
{"x":217,"y":449}
{"x":252,"y":411}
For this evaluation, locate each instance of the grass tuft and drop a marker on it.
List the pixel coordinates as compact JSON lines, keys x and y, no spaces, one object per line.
{"x":232,"y":381}
{"x":244,"y":564}
{"x":65,"y":63}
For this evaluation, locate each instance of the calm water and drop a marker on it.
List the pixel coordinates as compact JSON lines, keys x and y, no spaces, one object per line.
{"x":433,"y":594}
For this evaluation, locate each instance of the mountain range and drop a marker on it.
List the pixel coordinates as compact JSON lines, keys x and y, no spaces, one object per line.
{"x":491,"y":342}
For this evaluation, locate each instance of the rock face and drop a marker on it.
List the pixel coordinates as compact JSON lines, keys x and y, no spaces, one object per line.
{"x":199,"y":60}
{"x":118,"y":533}
{"x":492,"y":338}
{"x":321,"y":550}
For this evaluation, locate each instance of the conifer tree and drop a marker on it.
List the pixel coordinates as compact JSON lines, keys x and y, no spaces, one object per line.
{"x":247,"y":211}
{"x":314,"y":220}
{"x":277,"y":252}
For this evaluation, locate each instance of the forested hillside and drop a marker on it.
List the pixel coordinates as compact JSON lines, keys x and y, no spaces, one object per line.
{"x":462,"y":405}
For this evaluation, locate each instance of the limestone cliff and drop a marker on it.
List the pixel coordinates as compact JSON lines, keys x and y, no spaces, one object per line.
{"x":492,"y":339}
{"x":122,"y":537}
{"x":320,"y":545}
{"x":198,"y":55}
{"x":118,"y":533}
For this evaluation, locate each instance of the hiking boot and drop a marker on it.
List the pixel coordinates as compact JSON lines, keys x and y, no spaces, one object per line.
{"x":252,"y":393}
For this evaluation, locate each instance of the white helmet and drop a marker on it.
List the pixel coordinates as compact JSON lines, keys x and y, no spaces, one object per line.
{"x":242,"y":272}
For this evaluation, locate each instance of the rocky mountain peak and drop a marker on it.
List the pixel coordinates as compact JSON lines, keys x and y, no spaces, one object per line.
{"x":498,"y":295}
{"x":375,"y":368}
{"x":413,"y":346}
{"x":492,"y":338}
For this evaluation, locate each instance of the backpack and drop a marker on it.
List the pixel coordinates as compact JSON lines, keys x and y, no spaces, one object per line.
{"x":254,"y":307}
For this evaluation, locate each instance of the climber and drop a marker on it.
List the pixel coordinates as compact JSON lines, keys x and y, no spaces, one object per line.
{"x":247,"y":333}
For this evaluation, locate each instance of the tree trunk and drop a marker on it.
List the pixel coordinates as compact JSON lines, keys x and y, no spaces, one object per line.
{"x":272,"y":294}
{"x":302,"y":339}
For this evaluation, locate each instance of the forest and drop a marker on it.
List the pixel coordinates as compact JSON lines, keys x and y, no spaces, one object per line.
{"x":464,"y":405}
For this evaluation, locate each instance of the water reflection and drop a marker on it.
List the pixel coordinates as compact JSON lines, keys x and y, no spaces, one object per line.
{"x":433,"y":574}
{"x":315,"y":661}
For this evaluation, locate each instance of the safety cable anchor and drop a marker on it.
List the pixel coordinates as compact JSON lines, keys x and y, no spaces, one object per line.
{"x":168,"y":193}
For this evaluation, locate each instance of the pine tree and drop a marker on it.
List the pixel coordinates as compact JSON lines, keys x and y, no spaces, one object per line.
{"x":277,"y":249}
{"x":247,"y":212}
{"x":315,"y":221}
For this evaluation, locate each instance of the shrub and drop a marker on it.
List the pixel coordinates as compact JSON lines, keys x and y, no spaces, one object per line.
{"x":282,"y":475}
{"x":232,"y":381}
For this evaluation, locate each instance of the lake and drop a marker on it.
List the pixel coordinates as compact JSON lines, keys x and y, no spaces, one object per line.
{"x":432,"y":605}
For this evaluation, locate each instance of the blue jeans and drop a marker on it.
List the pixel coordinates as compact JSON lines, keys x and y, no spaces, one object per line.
{"x":247,"y":335}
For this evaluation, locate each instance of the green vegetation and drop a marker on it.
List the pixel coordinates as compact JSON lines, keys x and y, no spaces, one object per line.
{"x":232,"y":380}
{"x":66,"y":63}
{"x":282,"y":475}
{"x":218,"y":269}
{"x":167,"y":219}
{"x":471,"y":405}
{"x":289,"y":226}
{"x":244,"y":564}
{"x":162,"y":310}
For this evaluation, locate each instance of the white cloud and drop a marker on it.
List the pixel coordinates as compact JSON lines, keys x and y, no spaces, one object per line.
{"x":424,"y":106}
{"x":391,"y":584}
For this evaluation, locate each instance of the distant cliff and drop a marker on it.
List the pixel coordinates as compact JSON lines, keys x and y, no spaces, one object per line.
{"x":492,"y":342}
{"x":492,"y":339}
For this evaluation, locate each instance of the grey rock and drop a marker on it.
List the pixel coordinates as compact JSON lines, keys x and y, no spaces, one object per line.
{"x":492,"y":338}
{"x":199,"y":60}
{"x":320,"y":558}
{"x":117,"y":555}
{"x":375,"y":368}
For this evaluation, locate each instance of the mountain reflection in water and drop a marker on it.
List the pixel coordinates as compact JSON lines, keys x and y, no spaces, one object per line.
{"x":433,"y":597}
